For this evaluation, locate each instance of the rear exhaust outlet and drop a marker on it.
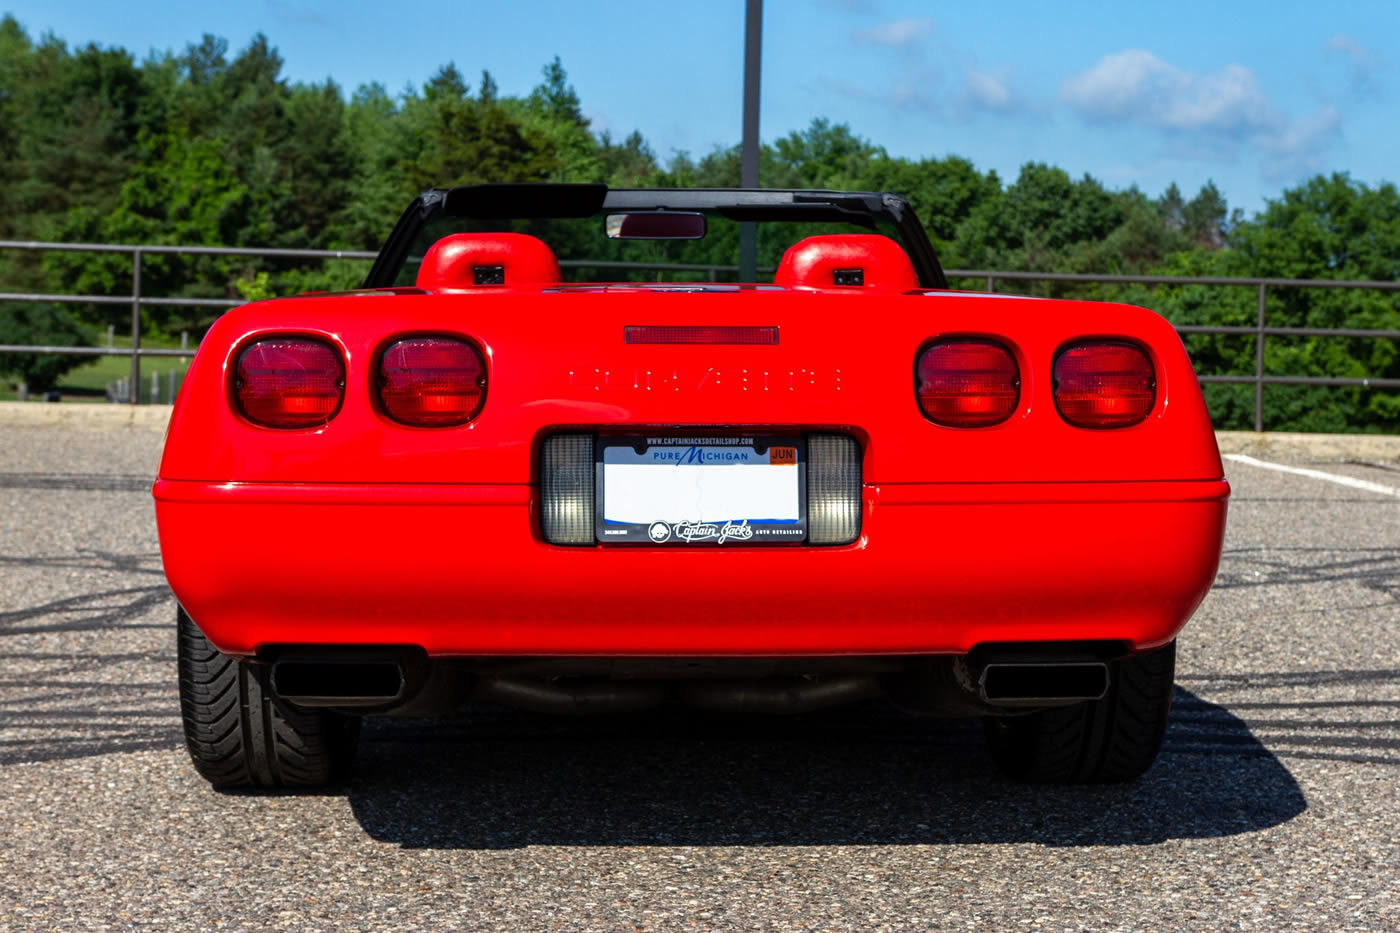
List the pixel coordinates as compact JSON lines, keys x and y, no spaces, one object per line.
{"x":357,"y":683}
{"x":1042,"y":684}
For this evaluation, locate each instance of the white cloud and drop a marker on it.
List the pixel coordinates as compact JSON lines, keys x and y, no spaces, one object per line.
{"x":923,"y":88}
{"x":1216,"y":112}
{"x":1302,"y":134}
{"x":985,"y":91}
{"x":1365,"y":63}
{"x":1345,"y":44}
{"x":918,"y":81}
{"x":900,"y":33}
{"x":1297,"y":148}
{"x":1137,"y":85}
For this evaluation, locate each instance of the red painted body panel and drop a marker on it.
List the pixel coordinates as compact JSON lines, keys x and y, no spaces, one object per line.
{"x":523,"y":259}
{"x":813,"y":262}
{"x":366,"y":531}
{"x":460,"y":571}
{"x":557,"y":358}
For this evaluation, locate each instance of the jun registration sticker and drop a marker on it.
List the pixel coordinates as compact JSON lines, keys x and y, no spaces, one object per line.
{"x":716,"y":490}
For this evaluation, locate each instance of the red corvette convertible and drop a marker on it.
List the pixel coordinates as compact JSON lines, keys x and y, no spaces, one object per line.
{"x":484,"y":477}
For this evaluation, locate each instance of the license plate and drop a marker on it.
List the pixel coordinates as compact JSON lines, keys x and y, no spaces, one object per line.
{"x":703,"y":489}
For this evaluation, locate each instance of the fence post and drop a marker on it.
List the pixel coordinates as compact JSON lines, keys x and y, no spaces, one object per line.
{"x":1259,"y":363}
{"x":135,"y":327}
{"x":991,"y":284}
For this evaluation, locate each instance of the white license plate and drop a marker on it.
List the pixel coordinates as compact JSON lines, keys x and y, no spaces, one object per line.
{"x":701,"y":490}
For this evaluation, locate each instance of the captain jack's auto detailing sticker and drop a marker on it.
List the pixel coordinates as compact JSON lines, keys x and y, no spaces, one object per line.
{"x":700,"y":490}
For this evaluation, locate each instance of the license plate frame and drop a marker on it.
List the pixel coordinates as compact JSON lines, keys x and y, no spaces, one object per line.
{"x":722,"y":476}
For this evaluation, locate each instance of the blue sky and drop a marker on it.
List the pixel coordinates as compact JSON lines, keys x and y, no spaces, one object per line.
{"x":1254,"y":95}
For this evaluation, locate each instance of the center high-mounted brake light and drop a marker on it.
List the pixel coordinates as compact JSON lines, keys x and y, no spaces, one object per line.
{"x":289,"y":382}
{"x":966,"y":382}
{"x":671,"y":333}
{"x":431,"y":381}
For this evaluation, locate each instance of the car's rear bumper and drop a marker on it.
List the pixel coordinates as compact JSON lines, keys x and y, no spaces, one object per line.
{"x":461,"y":570}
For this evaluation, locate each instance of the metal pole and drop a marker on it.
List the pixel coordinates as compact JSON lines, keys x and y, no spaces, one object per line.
{"x":991,"y":283}
{"x":748,"y":161}
{"x":1259,"y":364}
{"x":135,"y":327}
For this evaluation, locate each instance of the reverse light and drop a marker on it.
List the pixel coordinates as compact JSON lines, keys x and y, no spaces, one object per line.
{"x":289,"y":382}
{"x":1104,"y":384}
{"x":833,"y":489}
{"x":966,"y":382}
{"x":566,"y":489}
{"x":431,"y":381}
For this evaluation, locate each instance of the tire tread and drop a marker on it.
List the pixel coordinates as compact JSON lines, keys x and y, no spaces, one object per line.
{"x":1101,"y":741}
{"x":224,"y":701}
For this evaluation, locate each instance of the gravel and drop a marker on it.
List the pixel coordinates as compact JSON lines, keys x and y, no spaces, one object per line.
{"x":1275,"y":804}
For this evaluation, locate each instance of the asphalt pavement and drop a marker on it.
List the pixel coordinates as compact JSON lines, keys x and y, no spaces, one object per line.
{"x":1275,"y":804}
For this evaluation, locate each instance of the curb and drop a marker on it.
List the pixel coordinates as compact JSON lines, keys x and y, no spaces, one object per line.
{"x":1333,"y":447}
{"x":84,"y":416}
{"x":1373,"y":447}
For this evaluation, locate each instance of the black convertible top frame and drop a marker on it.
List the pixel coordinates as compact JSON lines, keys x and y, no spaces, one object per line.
{"x":524,"y":201}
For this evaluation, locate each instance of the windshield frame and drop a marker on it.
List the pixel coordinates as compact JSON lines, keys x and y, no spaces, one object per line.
{"x":525,"y":201}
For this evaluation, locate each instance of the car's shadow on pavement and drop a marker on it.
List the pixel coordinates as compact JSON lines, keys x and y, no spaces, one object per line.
{"x":858,"y":777}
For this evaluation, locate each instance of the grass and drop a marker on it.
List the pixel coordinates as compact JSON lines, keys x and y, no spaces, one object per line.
{"x":88,"y":383}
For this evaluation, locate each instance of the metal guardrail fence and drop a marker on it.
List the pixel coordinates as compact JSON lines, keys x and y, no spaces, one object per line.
{"x":1260,"y":330}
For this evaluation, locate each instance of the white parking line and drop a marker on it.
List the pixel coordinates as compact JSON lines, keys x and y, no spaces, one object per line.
{"x":1317,"y":474}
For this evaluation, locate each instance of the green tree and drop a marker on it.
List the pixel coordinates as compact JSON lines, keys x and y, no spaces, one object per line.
{"x":1327,"y":228}
{"x":40,"y":325}
{"x":205,"y":146}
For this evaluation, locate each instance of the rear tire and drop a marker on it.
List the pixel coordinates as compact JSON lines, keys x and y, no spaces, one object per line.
{"x":240,"y":735}
{"x":1096,"y":742}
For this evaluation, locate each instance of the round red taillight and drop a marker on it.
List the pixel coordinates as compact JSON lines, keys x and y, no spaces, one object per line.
{"x":431,"y":381}
{"x":967,"y":383}
{"x":1104,"y":384}
{"x":289,"y":382}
